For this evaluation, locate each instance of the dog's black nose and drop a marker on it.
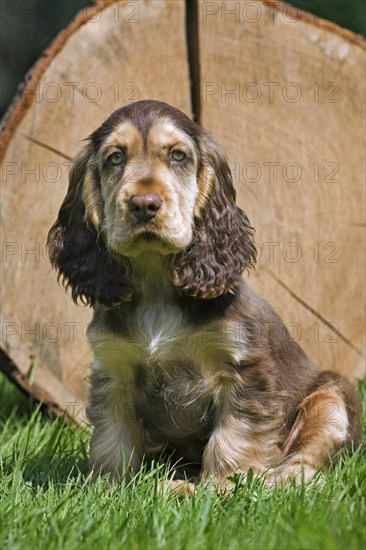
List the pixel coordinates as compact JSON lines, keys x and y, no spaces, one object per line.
{"x":145,"y":207}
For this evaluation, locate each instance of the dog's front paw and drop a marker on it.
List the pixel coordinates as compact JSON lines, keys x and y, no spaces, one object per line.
{"x":175,"y":486}
{"x":293,"y":470}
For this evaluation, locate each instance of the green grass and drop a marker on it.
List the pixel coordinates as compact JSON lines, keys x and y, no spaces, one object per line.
{"x":47,"y":499}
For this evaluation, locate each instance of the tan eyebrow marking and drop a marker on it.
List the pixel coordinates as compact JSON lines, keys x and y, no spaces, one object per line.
{"x":125,"y":135}
{"x":165,"y":134}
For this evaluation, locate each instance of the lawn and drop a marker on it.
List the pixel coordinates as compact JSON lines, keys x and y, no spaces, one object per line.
{"x":47,"y":499}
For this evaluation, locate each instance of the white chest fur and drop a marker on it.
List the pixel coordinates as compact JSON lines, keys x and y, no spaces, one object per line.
{"x":159,"y":323}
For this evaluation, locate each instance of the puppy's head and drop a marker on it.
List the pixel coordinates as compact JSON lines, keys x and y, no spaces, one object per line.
{"x":150,"y":179}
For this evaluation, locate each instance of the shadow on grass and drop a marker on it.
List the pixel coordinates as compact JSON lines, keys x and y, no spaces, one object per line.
{"x":44,"y":449}
{"x":13,"y":401}
{"x":51,"y":465}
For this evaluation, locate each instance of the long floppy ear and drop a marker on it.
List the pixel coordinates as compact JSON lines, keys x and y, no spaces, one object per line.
{"x":222,"y":246}
{"x":75,"y":243}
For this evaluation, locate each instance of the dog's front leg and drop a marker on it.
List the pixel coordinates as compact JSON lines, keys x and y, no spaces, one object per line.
{"x":237,"y":444}
{"x":118,"y":440}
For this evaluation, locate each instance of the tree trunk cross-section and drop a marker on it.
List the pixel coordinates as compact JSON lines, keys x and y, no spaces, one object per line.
{"x":280,"y":90}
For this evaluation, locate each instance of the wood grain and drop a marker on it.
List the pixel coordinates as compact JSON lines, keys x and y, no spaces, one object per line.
{"x":283,"y":94}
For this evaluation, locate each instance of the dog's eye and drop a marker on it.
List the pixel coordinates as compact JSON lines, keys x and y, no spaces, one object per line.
{"x":116,"y":158}
{"x":178,"y":155}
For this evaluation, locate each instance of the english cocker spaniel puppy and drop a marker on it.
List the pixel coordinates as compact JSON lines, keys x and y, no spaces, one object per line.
{"x":187,"y":357}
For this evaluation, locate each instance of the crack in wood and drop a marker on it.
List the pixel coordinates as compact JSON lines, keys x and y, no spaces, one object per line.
{"x":192,"y":38}
{"x":314,"y":312}
{"x":45,"y":146}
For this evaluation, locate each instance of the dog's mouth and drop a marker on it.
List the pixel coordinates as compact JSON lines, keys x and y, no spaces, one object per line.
{"x":148,"y":236}
{"x":142,"y":237}
{"x":147,"y":233}
{"x":147,"y":240}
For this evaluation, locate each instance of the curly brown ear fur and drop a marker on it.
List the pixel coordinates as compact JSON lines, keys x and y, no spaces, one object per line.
{"x":222,"y":245}
{"x":75,"y":247}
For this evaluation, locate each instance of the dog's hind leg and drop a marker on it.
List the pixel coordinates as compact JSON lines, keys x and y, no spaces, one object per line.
{"x":328,"y":419}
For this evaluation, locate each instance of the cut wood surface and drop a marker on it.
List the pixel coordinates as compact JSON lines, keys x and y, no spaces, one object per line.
{"x":285,"y":98}
{"x":281,"y":91}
